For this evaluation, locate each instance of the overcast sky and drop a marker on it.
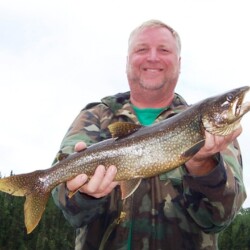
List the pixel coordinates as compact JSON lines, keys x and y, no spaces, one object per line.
{"x":56,"y":56}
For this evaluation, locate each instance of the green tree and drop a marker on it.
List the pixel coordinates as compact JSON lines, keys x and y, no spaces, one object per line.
{"x":237,"y":234}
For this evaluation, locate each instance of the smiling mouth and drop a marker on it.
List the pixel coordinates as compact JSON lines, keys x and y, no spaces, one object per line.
{"x":152,"y":69}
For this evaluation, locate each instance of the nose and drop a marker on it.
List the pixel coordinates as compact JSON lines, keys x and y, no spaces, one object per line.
{"x":152,"y":55}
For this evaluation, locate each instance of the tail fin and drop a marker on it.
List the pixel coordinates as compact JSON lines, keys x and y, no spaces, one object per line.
{"x":37,"y":195}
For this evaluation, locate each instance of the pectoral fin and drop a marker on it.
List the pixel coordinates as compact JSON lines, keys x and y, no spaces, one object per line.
{"x":72,"y":193}
{"x":129,"y":187}
{"x":194,"y":149}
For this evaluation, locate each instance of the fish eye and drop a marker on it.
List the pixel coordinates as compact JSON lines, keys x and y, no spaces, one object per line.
{"x":230,"y":97}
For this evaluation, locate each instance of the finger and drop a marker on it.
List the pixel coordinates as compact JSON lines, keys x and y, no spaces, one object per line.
{"x":94,"y":183}
{"x":80,"y":146}
{"x":235,"y":134}
{"x":214,"y":142}
{"x":224,"y":141}
{"x":210,"y":141}
{"x":77,"y":182}
{"x":108,"y":178}
{"x":107,"y":190}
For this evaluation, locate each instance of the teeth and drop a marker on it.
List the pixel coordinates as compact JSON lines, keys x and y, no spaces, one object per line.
{"x":236,"y":107}
{"x":153,"y":70}
{"x":237,"y":112}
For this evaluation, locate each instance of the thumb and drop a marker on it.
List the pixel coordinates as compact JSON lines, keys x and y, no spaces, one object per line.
{"x":80,"y":146}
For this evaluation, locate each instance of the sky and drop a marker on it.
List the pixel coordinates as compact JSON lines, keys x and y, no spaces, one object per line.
{"x":57,"y":56}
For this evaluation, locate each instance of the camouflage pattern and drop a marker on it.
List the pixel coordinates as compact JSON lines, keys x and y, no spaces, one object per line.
{"x":174,"y":210}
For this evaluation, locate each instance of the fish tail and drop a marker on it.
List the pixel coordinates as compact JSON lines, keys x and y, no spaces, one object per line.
{"x":36,"y":193}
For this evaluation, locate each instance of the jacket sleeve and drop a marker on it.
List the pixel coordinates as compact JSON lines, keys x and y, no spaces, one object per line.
{"x":89,"y":126}
{"x":214,"y":200}
{"x":80,"y":209}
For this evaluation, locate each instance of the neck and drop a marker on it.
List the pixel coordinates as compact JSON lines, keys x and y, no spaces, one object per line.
{"x":149,"y":99}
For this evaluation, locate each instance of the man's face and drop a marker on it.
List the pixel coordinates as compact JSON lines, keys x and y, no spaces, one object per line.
{"x":153,"y":59}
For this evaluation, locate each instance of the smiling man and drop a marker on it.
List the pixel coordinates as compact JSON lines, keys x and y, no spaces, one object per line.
{"x":182,"y":209}
{"x":153,"y":64}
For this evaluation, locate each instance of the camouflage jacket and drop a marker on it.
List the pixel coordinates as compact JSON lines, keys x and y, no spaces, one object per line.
{"x":174,"y":210}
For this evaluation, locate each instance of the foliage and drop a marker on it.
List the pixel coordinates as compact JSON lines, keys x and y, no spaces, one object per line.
{"x":237,"y":234}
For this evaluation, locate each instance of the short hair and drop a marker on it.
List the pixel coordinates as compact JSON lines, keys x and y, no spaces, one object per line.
{"x":155,"y":23}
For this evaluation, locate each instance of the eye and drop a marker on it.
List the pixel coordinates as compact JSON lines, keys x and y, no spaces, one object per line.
{"x":230,"y":97}
{"x":141,"y":50}
{"x":163,"y":49}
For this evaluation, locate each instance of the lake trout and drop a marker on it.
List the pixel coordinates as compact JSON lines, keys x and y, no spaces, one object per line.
{"x":137,"y":152}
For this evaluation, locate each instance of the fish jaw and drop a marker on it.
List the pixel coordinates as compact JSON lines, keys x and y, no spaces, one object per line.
{"x":225,"y":111}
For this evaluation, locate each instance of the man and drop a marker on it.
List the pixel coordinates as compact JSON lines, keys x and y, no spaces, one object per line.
{"x":181,"y":209}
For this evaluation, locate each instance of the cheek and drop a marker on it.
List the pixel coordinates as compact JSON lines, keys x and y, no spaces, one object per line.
{"x":174,"y":67}
{"x":135,"y":61}
{"x":172,"y":61}
{"x":132,"y":68}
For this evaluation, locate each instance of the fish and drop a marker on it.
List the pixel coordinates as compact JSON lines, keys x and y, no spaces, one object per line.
{"x":137,"y":151}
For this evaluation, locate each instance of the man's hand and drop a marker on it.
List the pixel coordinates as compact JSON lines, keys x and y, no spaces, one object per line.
{"x":100,"y":184}
{"x":202,"y":162}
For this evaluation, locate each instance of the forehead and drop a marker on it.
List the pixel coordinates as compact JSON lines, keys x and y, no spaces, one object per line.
{"x":146,"y":35}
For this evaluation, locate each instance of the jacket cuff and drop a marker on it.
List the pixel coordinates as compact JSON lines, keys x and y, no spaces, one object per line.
{"x":215,"y":178}
{"x":77,"y":202}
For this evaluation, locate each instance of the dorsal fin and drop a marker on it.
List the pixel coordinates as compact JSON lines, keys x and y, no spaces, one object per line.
{"x":122,"y":129}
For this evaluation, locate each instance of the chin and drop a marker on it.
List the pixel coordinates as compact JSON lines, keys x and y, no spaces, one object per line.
{"x":151,"y":85}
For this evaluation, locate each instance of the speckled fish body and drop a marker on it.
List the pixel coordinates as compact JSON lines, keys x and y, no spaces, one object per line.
{"x":137,"y":152}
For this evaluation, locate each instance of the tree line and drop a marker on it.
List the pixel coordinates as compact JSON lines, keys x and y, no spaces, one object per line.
{"x":54,"y":232}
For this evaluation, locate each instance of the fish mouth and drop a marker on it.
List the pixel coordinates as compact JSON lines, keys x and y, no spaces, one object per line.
{"x":239,"y":107}
{"x":227,"y":118}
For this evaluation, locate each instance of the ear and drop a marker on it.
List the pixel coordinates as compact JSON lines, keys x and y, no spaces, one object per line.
{"x":127,"y":64}
{"x":179,"y":65}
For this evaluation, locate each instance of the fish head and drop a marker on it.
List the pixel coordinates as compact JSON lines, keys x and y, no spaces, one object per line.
{"x":221,"y":114}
